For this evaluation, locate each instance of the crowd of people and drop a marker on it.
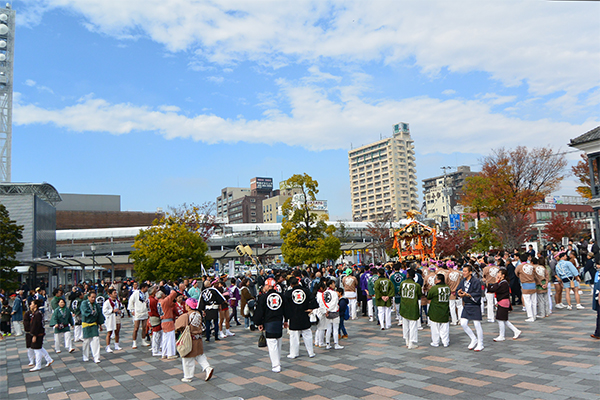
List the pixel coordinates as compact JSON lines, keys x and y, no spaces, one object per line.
{"x":314,"y":303}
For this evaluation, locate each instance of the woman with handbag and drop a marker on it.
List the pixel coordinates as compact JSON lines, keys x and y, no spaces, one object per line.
{"x":269,"y":317}
{"x":328,"y":302}
{"x":191,"y":322}
{"x":246,"y":299}
{"x":502,"y":290}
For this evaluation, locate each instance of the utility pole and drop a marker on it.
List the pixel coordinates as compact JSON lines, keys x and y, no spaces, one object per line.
{"x":447,"y":193}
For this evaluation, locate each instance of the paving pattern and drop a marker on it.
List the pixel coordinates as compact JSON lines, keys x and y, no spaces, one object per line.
{"x":555,"y":358}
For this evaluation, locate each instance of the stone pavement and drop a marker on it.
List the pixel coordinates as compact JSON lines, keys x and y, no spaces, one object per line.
{"x":555,"y":358}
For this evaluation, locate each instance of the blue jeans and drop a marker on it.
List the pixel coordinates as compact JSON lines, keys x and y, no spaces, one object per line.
{"x":342,"y":327}
{"x":215,"y":324}
{"x":247,"y":322}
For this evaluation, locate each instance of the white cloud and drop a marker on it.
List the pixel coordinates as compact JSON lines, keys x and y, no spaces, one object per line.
{"x":496,"y":99}
{"x":41,"y":88}
{"x":449,"y":92}
{"x":552,"y":46}
{"x":215,"y":79}
{"x":317,"y":122}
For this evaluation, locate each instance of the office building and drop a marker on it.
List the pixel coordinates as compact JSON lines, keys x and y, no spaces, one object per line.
{"x":229,"y":194}
{"x":383,"y":177}
{"x":442,"y":193}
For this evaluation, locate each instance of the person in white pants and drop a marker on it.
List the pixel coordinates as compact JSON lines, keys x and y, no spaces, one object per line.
{"x":193,"y":319}
{"x":409,"y":309}
{"x":489,"y":276}
{"x":384,"y":293}
{"x":350,"y":284}
{"x":17,"y":314}
{"x":75,"y":306}
{"x":328,"y":303}
{"x":526,"y":274}
{"x":269,"y":317}
{"x":456,"y":306}
{"x":36,"y":337}
{"x":501,"y":289}
{"x":92,"y":320}
{"x":439,"y":311}
{"x":62,"y":320}
{"x":112,"y":310}
{"x":469,"y":289}
{"x":299,"y":303}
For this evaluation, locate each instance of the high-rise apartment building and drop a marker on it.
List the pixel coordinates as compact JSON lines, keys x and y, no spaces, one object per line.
{"x":442,"y":193}
{"x":383,"y":177}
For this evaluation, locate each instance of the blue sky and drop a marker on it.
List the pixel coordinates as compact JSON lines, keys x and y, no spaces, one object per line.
{"x":166,"y":102}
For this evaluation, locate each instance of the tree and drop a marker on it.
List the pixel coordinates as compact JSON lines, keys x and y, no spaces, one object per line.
{"x":484,"y":235}
{"x":169,"y":250}
{"x":197,"y":218}
{"x":582,"y":172}
{"x":379,"y":231}
{"x":342,"y":232}
{"x":11,"y":235}
{"x":453,"y":243}
{"x":306,"y":238}
{"x":562,"y":226}
{"x":510,"y":184}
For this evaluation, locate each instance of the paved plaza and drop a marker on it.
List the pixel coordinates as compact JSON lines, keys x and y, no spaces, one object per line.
{"x":554,"y":359}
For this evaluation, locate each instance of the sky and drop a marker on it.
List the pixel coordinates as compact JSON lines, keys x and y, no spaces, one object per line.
{"x":167,"y":102}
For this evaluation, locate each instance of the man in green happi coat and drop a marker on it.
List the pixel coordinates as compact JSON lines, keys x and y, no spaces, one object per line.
{"x":384,"y":292}
{"x":439,"y":311}
{"x":91,"y":322}
{"x":409,"y":309}
{"x":371,"y":306}
{"x":62,"y":320}
{"x":397,"y":277}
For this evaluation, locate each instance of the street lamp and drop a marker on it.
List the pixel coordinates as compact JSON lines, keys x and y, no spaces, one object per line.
{"x":93,"y":248}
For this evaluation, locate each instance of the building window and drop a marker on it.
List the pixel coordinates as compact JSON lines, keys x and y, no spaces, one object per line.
{"x":252,"y":200}
{"x":543,"y":215}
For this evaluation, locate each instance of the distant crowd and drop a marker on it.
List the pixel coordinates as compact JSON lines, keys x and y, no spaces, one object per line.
{"x":315,"y":303}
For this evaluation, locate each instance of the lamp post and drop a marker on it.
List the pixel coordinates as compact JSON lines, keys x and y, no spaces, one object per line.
{"x":93,"y":248}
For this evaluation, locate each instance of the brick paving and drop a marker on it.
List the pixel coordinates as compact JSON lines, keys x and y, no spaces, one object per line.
{"x":554,"y":359}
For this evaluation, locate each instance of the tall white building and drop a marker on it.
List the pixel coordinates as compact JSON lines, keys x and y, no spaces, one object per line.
{"x":7,"y":46}
{"x":383,"y":177}
{"x":442,"y":193}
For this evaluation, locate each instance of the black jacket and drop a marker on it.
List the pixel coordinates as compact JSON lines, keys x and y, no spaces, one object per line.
{"x":296,"y":301}
{"x":270,"y":313}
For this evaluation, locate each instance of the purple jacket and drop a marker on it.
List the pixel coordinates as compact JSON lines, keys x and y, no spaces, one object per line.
{"x":364,"y":279}
{"x":234,"y":295}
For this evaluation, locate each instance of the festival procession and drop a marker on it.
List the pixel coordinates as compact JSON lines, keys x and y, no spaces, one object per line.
{"x":430,"y":302}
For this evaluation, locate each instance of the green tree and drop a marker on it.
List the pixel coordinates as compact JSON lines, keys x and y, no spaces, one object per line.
{"x":306,"y":238}
{"x":169,"y":250}
{"x":11,"y":235}
{"x":485,"y":237}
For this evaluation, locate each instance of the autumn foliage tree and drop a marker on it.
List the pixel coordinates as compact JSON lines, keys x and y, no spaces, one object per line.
{"x":562,"y":226}
{"x":379,"y":232}
{"x":197,"y":218}
{"x":582,"y":172}
{"x":453,"y":243}
{"x":510,"y":184}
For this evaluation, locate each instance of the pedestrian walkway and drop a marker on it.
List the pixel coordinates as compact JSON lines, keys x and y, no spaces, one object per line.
{"x":555,"y":358}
